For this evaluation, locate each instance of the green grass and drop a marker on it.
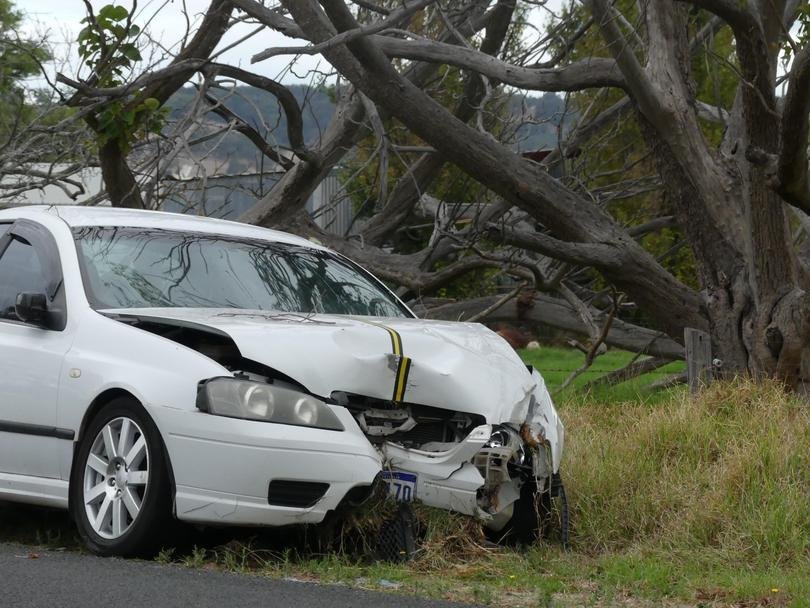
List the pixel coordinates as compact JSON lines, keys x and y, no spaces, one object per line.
{"x":674,"y":501}
{"x":695,"y":497}
{"x":556,"y":364}
{"x":700,"y":502}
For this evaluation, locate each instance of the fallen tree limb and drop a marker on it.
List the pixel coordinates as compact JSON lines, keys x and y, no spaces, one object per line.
{"x":629,"y":371}
{"x":558,"y":313}
{"x":668,"y":381}
{"x":596,"y":348}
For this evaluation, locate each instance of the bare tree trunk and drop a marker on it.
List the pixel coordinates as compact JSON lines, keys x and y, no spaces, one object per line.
{"x":672,"y":305}
{"x":733,"y":218}
{"x":729,"y":200}
{"x":122,"y":189}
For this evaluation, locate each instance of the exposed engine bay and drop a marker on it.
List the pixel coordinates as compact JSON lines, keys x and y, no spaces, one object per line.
{"x":409,"y":425}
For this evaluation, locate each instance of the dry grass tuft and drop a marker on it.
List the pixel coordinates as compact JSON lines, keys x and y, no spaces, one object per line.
{"x":443,"y":538}
{"x":728,"y":471}
{"x":450,"y":541}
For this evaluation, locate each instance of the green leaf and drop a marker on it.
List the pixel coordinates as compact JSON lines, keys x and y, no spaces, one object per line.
{"x":131,"y":52}
{"x":109,"y":113}
{"x":151,"y":104}
{"x":112,"y":12}
{"x":113,"y":130}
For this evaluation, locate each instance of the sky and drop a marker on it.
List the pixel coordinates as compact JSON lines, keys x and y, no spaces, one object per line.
{"x":61,"y":21}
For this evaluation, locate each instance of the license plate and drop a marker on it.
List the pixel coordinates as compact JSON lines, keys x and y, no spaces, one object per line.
{"x":401,"y":486}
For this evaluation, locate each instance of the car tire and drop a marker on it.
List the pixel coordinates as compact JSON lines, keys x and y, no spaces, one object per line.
{"x":120,"y":492}
{"x":530,"y":518}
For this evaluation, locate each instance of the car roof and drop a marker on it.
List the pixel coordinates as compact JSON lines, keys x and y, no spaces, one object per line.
{"x":80,"y":216}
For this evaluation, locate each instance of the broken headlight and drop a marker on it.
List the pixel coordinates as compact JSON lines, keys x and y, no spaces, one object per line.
{"x":238,"y":398}
{"x":506,"y":441}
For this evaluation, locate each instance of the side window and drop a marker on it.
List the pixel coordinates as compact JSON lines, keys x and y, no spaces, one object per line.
{"x":4,"y":228}
{"x":20,"y":270}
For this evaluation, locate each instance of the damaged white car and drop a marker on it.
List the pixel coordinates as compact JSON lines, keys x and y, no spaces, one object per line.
{"x":159,"y":366}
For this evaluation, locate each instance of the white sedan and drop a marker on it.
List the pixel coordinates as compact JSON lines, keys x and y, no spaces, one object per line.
{"x":159,"y":366}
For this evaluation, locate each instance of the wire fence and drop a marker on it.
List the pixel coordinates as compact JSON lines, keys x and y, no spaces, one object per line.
{"x":546,"y":370}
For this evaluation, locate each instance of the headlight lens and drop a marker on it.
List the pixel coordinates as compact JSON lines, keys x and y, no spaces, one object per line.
{"x":259,"y":401}
{"x":306,"y":410}
{"x":237,"y":398}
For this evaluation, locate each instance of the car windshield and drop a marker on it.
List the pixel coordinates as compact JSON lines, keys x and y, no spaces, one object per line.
{"x":153,"y":268}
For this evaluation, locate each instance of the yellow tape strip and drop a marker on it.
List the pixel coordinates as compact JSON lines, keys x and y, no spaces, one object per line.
{"x":404,"y":366}
{"x":401,"y":379}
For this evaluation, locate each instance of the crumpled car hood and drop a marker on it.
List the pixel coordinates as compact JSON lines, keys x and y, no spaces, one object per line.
{"x":463,"y":367}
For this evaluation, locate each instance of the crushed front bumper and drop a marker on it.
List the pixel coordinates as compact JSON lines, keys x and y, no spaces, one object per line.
{"x":445,"y":479}
{"x":480,"y":476}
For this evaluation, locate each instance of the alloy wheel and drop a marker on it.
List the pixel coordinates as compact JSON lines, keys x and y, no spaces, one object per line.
{"x":116,"y":477}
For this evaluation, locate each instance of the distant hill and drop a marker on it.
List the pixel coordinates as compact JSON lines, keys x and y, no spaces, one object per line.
{"x":542,"y":117}
{"x":262,"y":111}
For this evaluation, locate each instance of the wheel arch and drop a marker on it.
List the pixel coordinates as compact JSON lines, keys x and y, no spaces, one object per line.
{"x":99,"y":403}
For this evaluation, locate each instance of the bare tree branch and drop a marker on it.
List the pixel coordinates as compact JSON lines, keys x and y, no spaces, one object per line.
{"x":632,"y":370}
{"x":595,"y":348}
{"x":295,"y":121}
{"x":479,"y":316}
{"x":588,"y":73}
{"x":240,"y":126}
{"x":392,"y":19}
{"x":604,"y":255}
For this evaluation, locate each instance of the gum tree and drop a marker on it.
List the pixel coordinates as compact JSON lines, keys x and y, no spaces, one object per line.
{"x":734,"y":201}
{"x":739,"y":199}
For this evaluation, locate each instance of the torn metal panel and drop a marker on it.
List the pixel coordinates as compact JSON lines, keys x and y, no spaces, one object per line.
{"x":459,"y":366}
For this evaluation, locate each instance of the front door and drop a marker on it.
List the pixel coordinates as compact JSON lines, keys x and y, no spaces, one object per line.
{"x":31,"y":356}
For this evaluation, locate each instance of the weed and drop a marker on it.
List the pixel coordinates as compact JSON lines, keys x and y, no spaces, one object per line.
{"x":195,"y":559}
{"x":165,"y":556}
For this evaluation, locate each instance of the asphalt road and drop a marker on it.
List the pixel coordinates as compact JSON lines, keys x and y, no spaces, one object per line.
{"x":32,"y":578}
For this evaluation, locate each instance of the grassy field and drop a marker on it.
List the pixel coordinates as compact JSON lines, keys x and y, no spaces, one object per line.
{"x":675,"y":502}
{"x":556,"y":364}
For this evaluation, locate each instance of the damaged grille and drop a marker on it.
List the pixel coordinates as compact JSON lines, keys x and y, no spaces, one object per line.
{"x":408,"y":424}
{"x":424,"y":432}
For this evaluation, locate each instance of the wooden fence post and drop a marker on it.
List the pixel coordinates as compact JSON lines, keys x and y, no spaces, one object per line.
{"x":698,"y":358}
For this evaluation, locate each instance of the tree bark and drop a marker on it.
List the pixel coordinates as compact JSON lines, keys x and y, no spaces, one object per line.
{"x":671,"y":304}
{"x":122,"y":188}
{"x":556,"y":312}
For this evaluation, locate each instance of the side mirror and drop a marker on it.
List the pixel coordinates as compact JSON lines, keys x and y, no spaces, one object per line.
{"x":32,"y":308}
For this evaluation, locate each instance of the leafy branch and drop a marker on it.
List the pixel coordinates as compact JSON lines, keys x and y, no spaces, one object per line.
{"x":107,"y":45}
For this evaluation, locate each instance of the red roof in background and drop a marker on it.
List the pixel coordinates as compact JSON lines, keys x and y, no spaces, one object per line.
{"x":537,"y":156}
